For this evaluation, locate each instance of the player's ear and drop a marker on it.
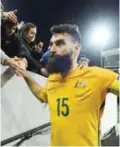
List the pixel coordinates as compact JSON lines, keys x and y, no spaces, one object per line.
{"x":77,"y":48}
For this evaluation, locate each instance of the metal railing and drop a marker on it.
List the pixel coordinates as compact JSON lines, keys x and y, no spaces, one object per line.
{"x":25,"y":135}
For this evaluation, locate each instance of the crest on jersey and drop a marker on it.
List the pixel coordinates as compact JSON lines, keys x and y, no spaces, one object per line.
{"x":80,"y":84}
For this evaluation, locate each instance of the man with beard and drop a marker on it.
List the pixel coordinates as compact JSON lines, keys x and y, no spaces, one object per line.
{"x":73,"y":93}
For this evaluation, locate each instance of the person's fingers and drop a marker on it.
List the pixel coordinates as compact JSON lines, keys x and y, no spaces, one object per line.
{"x":21,"y":70}
{"x":22,"y":65}
{"x":15,"y":11}
{"x":14,"y":68}
{"x":12,"y":17}
{"x":19,"y":67}
{"x":24,"y":59}
{"x":25,"y":62}
{"x":17,"y":59}
{"x":14,"y":64}
{"x":40,"y":46}
{"x":37,"y":48}
{"x":22,"y":22}
{"x":13,"y":14}
{"x":18,"y":73}
{"x":19,"y":25}
{"x":40,"y":43}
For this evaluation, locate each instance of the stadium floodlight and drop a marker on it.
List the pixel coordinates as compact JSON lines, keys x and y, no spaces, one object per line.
{"x":101,"y":35}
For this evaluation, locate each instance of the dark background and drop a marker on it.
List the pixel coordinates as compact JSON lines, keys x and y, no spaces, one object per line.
{"x":84,"y":13}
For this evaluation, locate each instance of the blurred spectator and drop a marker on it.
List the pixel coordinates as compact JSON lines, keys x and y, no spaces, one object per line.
{"x":20,"y":25}
{"x":84,"y":61}
{"x":28,"y":32}
{"x":8,"y":30}
{"x":45,"y":57}
{"x":11,"y":15}
{"x":37,"y":51}
{"x":13,"y":45}
{"x":28,"y":36}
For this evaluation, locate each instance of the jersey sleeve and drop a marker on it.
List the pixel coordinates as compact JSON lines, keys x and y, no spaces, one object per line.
{"x":106,"y":77}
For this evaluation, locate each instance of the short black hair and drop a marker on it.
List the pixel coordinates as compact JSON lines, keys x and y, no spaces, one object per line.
{"x":25,"y":28}
{"x":5,"y":22}
{"x":72,"y":30}
{"x":8,"y":22}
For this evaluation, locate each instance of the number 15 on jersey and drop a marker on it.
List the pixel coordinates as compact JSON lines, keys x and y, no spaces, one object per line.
{"x":62,"y":107}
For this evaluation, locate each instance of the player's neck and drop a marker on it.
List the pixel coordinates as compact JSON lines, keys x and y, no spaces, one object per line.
{"x":75,"y":65}
{"x":73,"y":68}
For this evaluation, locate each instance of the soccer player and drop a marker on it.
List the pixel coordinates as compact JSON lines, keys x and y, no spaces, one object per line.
{"x":74,"y":93}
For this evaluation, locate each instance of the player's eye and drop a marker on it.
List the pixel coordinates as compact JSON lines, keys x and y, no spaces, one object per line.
{"x":60,"y":42}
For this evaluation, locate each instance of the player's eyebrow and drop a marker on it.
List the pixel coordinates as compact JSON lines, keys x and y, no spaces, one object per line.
{"x":58,"y":42}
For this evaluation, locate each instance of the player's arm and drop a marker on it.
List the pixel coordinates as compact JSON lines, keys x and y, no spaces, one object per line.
{"x":35,"y":88}
{"x":114,"y":88}
{"x":108,"y":80}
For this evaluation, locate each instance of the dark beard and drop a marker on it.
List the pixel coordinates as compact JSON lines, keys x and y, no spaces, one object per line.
{"x":59,"y":64}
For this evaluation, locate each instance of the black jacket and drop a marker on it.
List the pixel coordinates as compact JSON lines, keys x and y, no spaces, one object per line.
{"x":16,"y":45}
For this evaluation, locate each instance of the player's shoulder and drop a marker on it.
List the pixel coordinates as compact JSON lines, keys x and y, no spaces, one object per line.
{"x":95,"y":70}
{"x":89,"y":69}
{"x":102,"y":72}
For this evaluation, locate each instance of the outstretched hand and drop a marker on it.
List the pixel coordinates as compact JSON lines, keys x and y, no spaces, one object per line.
{"x":22,"y":72}
{"x":38,"y":48}
{"x":16,"y":63}
{"x":11,"y":15}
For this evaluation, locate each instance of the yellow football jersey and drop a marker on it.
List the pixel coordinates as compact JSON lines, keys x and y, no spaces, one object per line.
{"x":74,"y":104}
